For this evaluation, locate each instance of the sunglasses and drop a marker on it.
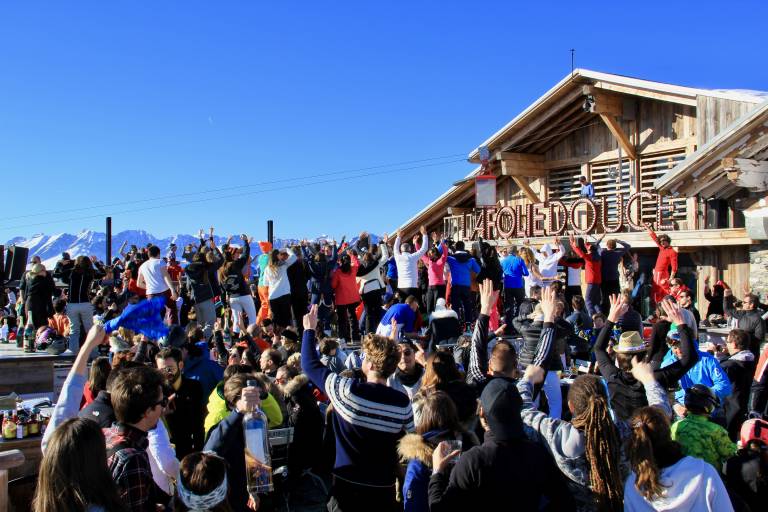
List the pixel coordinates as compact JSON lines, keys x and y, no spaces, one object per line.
{"x":163,"y":402}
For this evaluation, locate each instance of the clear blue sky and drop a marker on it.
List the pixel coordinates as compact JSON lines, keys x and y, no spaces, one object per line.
{"x":105,"y":102}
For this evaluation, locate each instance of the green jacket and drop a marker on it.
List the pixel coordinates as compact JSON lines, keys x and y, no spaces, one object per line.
{"x":217,"y":409}
{"x":701,"y":438}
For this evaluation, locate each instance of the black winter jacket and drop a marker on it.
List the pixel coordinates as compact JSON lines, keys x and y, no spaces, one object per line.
{"x":489,"y":475}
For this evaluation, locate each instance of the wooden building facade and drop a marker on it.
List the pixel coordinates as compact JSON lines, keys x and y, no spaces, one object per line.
{"x":625,"y":135}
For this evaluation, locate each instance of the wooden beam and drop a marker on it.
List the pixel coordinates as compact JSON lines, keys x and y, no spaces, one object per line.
{"x":747,"y":173}
{"x":532,"y":169}
{"x":615,"y":128}
{"x":565,"y":130}
{"x":644,"y":93}
{"x":610,"y":104}
{"x":541,"y":119}
{"x":526,"y":188}
{"x":511,"y":156}
{"x":554,"y":128}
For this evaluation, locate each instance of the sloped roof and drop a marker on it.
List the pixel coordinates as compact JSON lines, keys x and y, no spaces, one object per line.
{"x":747,"y":137}
{"x":618,"y":83}
{"x":566,"y":96}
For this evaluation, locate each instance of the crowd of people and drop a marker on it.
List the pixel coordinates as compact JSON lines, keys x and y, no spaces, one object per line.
{"x":416,"y":375}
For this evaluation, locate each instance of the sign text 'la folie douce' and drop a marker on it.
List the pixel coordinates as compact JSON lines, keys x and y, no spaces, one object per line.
{"x":553,"y":218}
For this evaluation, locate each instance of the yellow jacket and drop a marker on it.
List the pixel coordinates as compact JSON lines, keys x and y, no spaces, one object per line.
{"x":217,"y":409}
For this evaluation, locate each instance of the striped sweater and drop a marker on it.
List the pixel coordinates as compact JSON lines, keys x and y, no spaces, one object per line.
{"x":368,"y":420}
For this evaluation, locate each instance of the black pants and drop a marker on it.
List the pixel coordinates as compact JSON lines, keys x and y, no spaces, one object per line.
{"x":347,"y":318}
{"x":405,"y":292}
{"x":461,"y":300}
{"x":512,"y":299}
{"x":281,"y":311}
{"x":347,"y":497}
{"x":300,"y":306}
{"x":434,"y":292}
{"x":608,"y":288}
{"x":373,"y":311}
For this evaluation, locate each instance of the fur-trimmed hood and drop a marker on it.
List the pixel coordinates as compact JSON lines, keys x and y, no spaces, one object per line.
{"x":445,"y":313}
{"x":413,"y":446}
{"x":296,"y":383}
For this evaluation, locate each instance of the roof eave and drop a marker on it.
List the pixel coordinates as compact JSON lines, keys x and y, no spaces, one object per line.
{"x":714,"y":150}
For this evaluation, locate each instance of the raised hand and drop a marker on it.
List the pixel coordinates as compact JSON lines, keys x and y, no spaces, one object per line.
{"x":673,"y":311}
{"x":642,"y":371}
{"x":548,"y":303}
{"x":488,"y":296}
{"x":618,"y":308}
{"x":534,"y":374}
{"x":310,"y":319}
{"x":423,"y":229}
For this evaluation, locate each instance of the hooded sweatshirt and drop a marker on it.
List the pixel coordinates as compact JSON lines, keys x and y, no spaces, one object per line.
{"x":690,"y":485}
{"x":548,"y":260}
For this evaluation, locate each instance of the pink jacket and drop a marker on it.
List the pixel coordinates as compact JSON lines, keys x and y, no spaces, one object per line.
{"x":345,"y":285}
{"x":435,"y":268}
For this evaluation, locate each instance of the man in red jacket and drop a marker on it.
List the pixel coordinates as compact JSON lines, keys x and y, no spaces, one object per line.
{"x":667,"y":258}
{"x":593,"y":266}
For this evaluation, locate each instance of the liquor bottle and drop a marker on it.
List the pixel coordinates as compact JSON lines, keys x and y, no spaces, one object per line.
{"x":29,"y":338}
{"x":9,"y":427}
{"x":258,"y":463}
{"x":34,"y":422}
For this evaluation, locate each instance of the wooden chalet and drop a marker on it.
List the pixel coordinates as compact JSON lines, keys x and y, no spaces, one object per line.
{"x":654,"y":153}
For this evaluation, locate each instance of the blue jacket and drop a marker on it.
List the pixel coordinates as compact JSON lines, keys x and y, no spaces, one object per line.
{"x":706,"y":371}
{"x":391,"y":268}
{"x":514,"y":270}
{"x":402,"y":313}
{"x":208,"y":373}
{"x":462,"y":264}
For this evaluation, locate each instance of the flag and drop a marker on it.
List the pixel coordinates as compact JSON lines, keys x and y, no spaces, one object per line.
{"x":145,"y":317}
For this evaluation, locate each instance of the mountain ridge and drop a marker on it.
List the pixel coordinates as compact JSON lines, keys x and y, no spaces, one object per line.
{"x":93,"y":243}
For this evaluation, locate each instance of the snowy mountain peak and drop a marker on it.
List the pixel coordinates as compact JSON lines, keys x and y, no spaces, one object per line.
{"x":88,"y":242}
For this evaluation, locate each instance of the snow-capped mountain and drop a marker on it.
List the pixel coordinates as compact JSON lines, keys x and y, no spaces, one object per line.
{"x":88,"y":243}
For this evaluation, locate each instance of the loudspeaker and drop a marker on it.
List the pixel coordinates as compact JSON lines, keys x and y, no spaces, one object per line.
{"x":16,"y":263}
{"x":2,"y":265}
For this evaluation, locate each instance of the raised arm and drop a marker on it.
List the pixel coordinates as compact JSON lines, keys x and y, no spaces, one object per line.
{"x":71,"y":394}
{"x":669,"y":375}
{"x":310,"y":362}
{"x":604,"y":363}
{"x":653,"y":236}
{"x":477,"y":373}
{"x":424,"y":243}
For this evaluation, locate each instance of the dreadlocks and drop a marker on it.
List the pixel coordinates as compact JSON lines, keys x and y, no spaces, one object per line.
{"x":603,"y":449}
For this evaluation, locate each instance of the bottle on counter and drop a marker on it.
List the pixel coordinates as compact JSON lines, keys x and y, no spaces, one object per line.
{"x":34,"y":423}
{"x":9,"y":427}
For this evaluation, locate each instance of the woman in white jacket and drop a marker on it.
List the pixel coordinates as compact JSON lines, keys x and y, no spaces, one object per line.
{"x":276,"y":278}
{"x":662,"y":477}
{"x":408,"y":265}
{"x":371,"y":284}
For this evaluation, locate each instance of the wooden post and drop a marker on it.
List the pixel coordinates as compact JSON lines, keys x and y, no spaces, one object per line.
{"x":8,"y":460}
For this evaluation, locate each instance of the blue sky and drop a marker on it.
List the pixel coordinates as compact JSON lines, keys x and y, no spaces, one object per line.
{"x":103,"y":103}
